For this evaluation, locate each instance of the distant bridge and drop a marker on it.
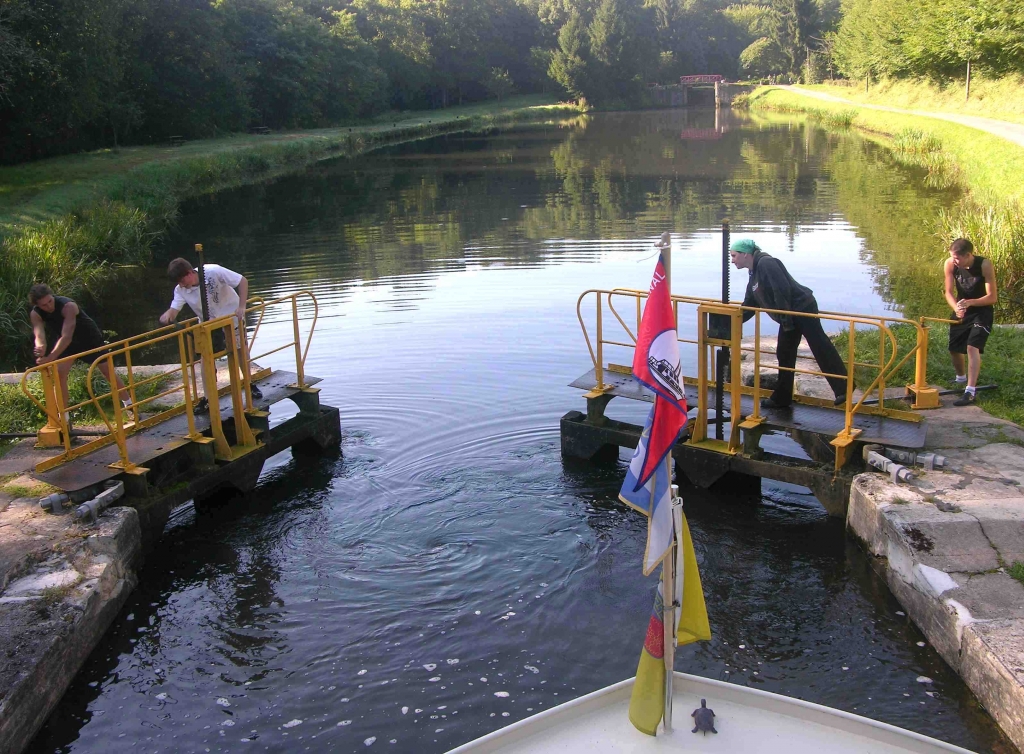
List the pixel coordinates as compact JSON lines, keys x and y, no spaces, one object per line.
{"x":678,"y":95}
{"x":702,"y":78}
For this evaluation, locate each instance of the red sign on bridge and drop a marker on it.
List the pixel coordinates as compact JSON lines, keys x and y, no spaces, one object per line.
{"x":703,"y":78}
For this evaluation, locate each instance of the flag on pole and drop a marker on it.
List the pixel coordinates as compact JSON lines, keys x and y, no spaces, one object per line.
{"x":656,"y":366}
{"x":692,"y":614}
{"x":647,"y":703}
{"x":653,"y":499}
{"x":647,"y":486}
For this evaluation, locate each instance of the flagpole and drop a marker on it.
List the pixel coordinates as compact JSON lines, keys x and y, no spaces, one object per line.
{"x":668,"y":590}
{"x":668,"y":566}
{"x":665,"y":244}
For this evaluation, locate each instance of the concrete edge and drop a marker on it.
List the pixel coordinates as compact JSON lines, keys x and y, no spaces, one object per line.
{"x":968,"y":645}
{"x":108,"y":561}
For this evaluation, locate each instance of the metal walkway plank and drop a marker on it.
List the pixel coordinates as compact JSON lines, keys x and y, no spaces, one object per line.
{"x":147,"y":444}
{"x":817,"y":419}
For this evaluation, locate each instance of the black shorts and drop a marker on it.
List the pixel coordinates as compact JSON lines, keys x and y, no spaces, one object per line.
{"x":973,"y":330}
{"x":78,"y":347}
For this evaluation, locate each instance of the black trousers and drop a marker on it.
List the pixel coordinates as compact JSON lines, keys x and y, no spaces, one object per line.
{"x":824,"y":351}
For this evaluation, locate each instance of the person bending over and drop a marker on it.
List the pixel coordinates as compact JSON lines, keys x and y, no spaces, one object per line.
{"x":226,"y":292}
{"x":62,"y":328}
{"x":772,"y":287}
{"x":971,"y":292}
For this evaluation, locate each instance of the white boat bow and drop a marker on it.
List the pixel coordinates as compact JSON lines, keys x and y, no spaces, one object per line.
{"x":747,"y":720}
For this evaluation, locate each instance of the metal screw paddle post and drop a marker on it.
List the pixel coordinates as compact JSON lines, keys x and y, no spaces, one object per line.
{"x":202,"y":284}
{"x":722,"y":363}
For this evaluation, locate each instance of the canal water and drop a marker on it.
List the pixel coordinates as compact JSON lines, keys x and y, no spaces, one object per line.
{"x":452,"y":573}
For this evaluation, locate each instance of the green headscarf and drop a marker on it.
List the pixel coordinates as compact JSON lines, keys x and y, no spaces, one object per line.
{"x":744,"y":246}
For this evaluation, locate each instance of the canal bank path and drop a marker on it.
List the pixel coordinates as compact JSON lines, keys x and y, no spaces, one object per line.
{"x":1013,"y":132}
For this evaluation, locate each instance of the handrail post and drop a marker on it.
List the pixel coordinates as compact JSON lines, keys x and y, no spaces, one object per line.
{"x":51,"y":435}
{"x":119,"y":436}
{"x":757,"y":367}
{"x":700,"y":423}
{"x":243,"y":433}
{"x":186,"y":388}
{"x":924,"y":395}
{"x":844,"y":441}
{"x":242,"y":357}
{"x":735,"y":390}
{"x":190,"y":345}
{"x":599,"y":367}
{"x":208,"y":366}
{"x":921,"y":364}
{"x":298,"y":343}
{"x":849,"y":380}
{"x":116,"y":394}
{"x":881,"y":367}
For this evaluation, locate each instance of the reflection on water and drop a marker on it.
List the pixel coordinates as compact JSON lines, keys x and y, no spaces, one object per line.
{"x":401,"y":219}
{"x":452,"y":574}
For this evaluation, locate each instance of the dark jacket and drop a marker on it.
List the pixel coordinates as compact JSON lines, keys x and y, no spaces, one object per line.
{"x":772,"y":287}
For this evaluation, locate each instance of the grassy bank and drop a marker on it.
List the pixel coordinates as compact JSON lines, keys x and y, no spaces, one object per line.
{"x":1001,"y":365}
{"x":64,"y":219}
{"x":19,"y":414}
{"x":990,"y":98}
{"x":987,"y":168}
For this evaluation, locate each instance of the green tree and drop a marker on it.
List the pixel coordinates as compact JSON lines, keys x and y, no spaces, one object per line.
{"x":64,"y":57}
{"x":622,"y":50}
{"x":930,"y":38}
{"x":190,"y":79}
{"x":762,"y":58}
{"x":790,"y":29}
{"x":499,"y":83}
{"x":571,"y":62}
{"x":356,"y":84}
{"x":397,"y":30}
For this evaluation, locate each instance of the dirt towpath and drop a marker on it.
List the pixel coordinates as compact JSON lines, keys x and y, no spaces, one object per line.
{"x":1013,"y":132}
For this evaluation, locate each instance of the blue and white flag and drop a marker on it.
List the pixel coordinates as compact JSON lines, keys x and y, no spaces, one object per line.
{"x":654,"y":499}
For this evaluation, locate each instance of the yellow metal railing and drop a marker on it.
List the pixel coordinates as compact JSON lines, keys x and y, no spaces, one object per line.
{"x":889,"y":362}
{"x":195,"y":348}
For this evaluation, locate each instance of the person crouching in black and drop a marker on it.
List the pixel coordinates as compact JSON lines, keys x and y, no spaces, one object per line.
{"x":61,"y":328}
{"x":772,"y":287}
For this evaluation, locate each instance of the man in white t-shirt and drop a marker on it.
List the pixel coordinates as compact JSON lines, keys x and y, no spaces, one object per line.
{"x":226,"y":292}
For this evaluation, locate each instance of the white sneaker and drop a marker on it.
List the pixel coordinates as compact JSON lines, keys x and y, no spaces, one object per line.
{"x":960,"y":379}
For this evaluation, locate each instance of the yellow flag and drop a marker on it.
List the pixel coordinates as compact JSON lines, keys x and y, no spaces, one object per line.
{"x":647,"y":702}
{"x":693,"y":618}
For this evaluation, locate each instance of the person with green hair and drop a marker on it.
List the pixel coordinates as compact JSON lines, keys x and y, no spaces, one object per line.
{"x":772,"y":287}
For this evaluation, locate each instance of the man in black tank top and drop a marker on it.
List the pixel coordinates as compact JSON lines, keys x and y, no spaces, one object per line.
{"x":63,"y":329}
{"x":971,"y":292}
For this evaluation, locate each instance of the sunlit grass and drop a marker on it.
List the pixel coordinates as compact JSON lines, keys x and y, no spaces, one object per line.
{"x":18,"y":413}
{"x":35,"y":192}
{"x":988,"y":169}
{"x":990,"y":98}
{"x":1000,"y":364}
{"x":830,"y":118}
{"x":992,"y":167}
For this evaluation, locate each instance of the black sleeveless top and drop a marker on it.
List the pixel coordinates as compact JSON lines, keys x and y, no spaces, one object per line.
{"x":970,"y":283}
{"x":87,"y":333}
